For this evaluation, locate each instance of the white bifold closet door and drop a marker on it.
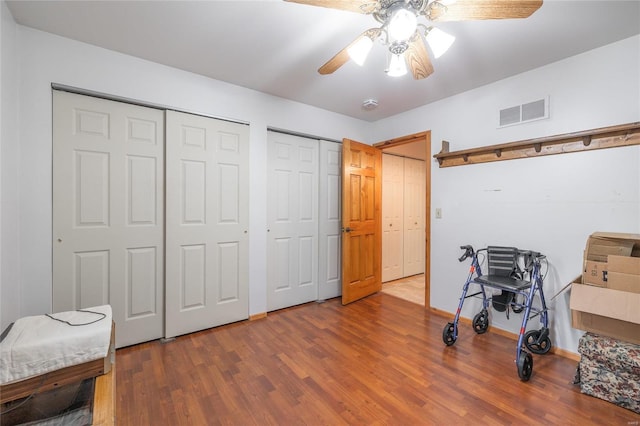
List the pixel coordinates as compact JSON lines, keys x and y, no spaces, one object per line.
{"x":303,"y":216}
{"x":392,"y":217}
{"x":207,"y":215}
{"x":116,"y":240}
{"x":108,"y":160}
{"x":330,"y":214}
{"x":292,"y":216}
{"x":403,"y":217}
{"x":414,"y":216}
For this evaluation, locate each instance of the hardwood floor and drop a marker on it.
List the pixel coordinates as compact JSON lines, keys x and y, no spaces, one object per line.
{"x":409,"y":288}
{"x":378,"y":361}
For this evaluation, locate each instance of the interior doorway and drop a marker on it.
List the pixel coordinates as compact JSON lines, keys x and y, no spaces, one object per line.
{"x":417,"y":146}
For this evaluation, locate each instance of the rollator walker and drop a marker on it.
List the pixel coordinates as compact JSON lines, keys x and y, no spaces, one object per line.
{"x":517,"y":274}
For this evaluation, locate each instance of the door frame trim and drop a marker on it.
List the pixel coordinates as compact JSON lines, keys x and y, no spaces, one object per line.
{"x":125,"y":100}
{"x":424,"y":137}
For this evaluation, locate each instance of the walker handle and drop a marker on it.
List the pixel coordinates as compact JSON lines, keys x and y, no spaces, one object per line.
{"x":468,"y":251}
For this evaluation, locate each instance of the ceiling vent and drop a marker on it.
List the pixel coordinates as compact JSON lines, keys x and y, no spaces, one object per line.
{"x":531,"y":111}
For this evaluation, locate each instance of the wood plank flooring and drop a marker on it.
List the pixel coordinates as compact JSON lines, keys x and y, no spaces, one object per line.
{"x":378,"y":361}
{"x":408,"y":288}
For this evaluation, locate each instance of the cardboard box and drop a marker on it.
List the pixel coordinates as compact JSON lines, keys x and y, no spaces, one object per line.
{"x":606,"y":302}
{"x":624,"y":282}
{"x":602,"y":244}
{"x":604,"y":247}
{"x":624,"y":273}
{"x":604,"y":326}
{"x":595,"y":273}
{"x":605,"y":311}
{"x":624,"y":264}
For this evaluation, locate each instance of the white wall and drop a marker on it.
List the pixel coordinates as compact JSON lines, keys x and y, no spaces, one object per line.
{"x":46,"y":59}
{"x":9,"y":154}
{"x":549,"y":204}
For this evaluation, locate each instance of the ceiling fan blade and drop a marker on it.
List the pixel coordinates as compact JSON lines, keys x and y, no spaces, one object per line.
{"x":358,"y":6}
{"x":342,"y":56}
{"x":417,"y":58}
{"x":468,"y":10}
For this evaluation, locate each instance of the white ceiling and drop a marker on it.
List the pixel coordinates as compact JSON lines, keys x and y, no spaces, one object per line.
{"x":276,"y":47}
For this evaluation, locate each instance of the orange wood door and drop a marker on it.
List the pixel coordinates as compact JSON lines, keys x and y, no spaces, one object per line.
{"x":361,"y":220}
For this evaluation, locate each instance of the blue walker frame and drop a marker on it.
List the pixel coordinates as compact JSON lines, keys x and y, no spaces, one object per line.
{"x":537,"y":341}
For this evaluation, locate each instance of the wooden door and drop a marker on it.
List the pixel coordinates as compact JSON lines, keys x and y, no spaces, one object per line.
{"x":108,"y":198}
{"x":361,"y":221}
{"x":292,"y":215}
{"x":207,"y":255}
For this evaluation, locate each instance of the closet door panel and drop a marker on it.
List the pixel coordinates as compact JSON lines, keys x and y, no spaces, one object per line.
{"x":142,"y":206}
{"x":207,"y":221}
{"x":228,"y":261}
{"x":292,"y":217}
{"x":414,"y":217}
{"x":392,"y":217}
{"x":192,"y":280}
{"x":141,"y":281}
{"x":90,"y":281}
{"x":329,"y":272}
{"x":108,"y":197}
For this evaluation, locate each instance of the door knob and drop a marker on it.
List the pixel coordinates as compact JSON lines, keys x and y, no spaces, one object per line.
{"x":347,"y":229}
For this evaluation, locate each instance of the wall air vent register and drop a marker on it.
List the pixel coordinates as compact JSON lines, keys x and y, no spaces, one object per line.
{"x":531,"y":111}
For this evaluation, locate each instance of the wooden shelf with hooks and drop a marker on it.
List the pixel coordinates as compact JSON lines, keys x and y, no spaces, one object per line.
{"x":605,"y":137}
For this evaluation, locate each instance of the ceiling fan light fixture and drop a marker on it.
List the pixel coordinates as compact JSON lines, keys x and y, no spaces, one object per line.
{"x":397,"y":66}
{"x":439,"y":41}
{"x":402,"y":24}
{"x":359,"y":51}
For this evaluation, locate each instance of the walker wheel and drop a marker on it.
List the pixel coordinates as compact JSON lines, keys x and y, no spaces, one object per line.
{"x":531,"y":341}
{"x":525,"y":366}
{"x":448,"y":336}
{"x":481,"y":322}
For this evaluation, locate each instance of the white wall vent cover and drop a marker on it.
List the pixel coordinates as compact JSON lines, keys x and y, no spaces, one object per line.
{"x":536,"y":110}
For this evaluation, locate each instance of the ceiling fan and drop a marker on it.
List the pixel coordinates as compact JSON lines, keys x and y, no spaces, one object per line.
{"x":403,"y":35}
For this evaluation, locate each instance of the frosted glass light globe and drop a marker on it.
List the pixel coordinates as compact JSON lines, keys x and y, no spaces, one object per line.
{"x":402,"y":24}
{"x":397,"y":66}
{"x":360,"y":50}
